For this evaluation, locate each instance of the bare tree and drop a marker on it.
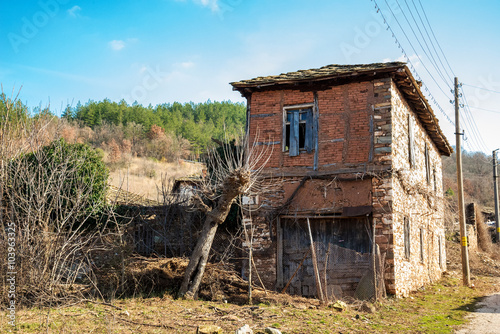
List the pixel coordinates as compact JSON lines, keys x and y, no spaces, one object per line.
{"x":44,"y":205}
{"x":236,"y":171}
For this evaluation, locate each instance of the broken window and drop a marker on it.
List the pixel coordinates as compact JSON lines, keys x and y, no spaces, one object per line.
{"x":406,"y":222}
{"x":435,"y":179}
{"x":427,"y":165}
{"x":411,"y":142}
{"x":298,"y":131}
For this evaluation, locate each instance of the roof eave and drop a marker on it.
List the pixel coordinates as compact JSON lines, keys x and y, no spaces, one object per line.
{"x":241,"y":86}
{"x":427,"y":116}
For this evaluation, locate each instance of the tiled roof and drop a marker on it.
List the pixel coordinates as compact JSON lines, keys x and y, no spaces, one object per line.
{"x":324,"y":72}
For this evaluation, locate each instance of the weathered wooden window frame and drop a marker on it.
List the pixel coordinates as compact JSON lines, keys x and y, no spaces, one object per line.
{"x":411,"y":141}
{"x":407,"y":236}
{"x":434,"y":177}
{"x":294,"y":148}
{"x":427,"y":164}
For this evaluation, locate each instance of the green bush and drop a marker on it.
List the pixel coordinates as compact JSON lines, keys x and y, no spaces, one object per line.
{"x":60,"y":179}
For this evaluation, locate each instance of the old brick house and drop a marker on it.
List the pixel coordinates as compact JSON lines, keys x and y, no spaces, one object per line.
{"x":356,"y":151}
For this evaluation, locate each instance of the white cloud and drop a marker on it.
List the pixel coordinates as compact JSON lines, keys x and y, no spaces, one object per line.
{"x":212,"y":4}
{"x":117,"y":45}
{"x":73,"y":11}
{"x":187,"y":64}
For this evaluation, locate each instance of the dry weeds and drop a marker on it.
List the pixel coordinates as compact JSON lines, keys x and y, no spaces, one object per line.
{"x":144,"y":176}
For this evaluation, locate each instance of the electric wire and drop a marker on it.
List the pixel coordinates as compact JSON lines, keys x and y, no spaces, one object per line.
{"x":431,"y":57}
{"x":434,"y":35}
{"x":413,"y":48}
{"x":410,"y":63}
{"x":472,"y":136}
{"x":430,"y":40}
{"x":477,"y":134}
{"x":489,"y":110}
{"x":482,"y":88}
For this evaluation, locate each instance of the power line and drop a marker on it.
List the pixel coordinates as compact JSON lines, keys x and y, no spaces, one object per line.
{"x":431,"y":57}
{"x":430,"y":40}
{"x":489,"y":110}
{"x":432,"y":31}
{"x":475,"y":135}
{"x":489,"y":90}
{"x":411,"y":45}
{"x":474,"y":127}
{"x":379,"y":10}
{"x":474,"y":139}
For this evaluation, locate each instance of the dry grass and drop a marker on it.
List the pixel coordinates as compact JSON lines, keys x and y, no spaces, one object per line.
{"x":439,"y":308}
{"x":145,"y":176}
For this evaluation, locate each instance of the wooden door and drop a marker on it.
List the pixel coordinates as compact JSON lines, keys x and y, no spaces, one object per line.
{"x":342,"y":249}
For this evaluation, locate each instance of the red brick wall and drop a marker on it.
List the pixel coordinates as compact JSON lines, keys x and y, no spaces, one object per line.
{"x":344,"y":112}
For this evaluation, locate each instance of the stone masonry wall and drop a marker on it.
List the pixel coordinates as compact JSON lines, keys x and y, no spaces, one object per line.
{"x":419,"y":199}
{"x":382,"y":184}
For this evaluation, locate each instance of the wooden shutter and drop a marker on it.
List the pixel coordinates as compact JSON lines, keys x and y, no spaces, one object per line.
{"x":309,"y":140}
{"x":294,"y":133}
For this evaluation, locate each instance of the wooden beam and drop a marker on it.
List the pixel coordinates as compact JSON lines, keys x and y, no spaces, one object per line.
{"x":315,"y":265}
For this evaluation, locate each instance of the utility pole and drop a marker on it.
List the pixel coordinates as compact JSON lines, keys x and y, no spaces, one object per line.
{"x":495,"y":188}
{"x":460,"y":182}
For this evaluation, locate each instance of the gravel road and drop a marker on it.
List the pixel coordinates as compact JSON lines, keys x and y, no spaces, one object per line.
{"x":486,"y":319}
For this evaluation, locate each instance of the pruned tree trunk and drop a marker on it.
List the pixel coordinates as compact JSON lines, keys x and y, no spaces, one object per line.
{"x":198,"y":261}
{"x":232,"y":186}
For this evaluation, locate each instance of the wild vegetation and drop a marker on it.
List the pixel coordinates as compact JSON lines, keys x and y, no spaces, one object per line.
{"x":477,"y":174}
{"x":53,"y":171}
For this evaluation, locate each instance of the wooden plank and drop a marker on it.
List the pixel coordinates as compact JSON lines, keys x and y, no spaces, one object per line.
{"x":315,"y":264}
{"x":262,"y":115}
{"x":309,"y":140}
{"x":279,"y":249}
{"x":294,"y":134}
{"x":295,"y":273}
{"x":316,"y":130}
{"x":297,"y":172}
{"x":315,"y":216}
{"x":374,"y":244}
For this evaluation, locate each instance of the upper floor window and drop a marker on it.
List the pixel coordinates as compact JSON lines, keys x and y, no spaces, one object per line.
{"x":434,"y":176}
{"x":427,"y":165}
{"x":411,"y":141}
{"x":298,"y":129}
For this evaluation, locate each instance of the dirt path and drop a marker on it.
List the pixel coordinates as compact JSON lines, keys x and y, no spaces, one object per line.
{"x":486,"y":320}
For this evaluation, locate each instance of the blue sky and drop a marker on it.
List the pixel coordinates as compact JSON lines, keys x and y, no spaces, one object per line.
{"x":156,"y":51}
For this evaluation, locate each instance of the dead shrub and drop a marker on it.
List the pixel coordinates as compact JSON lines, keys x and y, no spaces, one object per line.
{"x":45,"y":205}
{"x":483,"y":235}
